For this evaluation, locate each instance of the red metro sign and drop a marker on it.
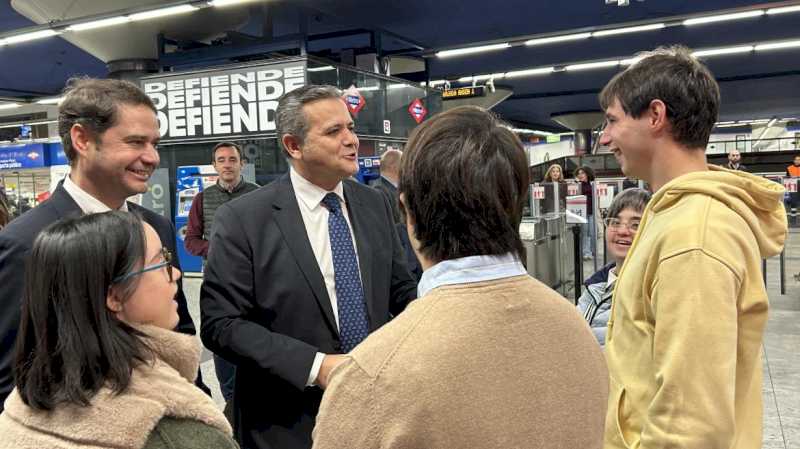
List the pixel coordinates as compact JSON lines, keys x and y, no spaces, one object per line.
{"x":417,"y":110}
{"x":353,"y":99}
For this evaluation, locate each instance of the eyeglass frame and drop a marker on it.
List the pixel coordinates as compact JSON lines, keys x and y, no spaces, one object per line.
{"x":621,"y":223}
{"x":165,"y":253}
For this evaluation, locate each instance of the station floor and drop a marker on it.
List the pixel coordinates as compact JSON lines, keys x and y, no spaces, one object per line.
{"x":781,"y":349}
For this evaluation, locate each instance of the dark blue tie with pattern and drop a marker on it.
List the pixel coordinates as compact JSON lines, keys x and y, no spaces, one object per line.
{"x":353,"y":326}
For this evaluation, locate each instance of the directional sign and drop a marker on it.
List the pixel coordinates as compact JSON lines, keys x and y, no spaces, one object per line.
{"x":538,"y":192}
{"x":790,"y":184}
{"x":417,"y":110}
{"x":572,"y":189}
{"x":354,"y":100}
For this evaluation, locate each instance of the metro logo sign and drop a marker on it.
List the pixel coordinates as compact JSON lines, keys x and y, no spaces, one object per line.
{"x":417,"y":111}
{"x":354,"y":100}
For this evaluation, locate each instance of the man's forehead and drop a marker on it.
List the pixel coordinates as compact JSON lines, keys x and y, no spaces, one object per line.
{"x":328,"y":112}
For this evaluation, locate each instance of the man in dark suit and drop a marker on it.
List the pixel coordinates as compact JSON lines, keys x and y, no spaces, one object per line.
{"x":299,"y":272}
{"x":110,"y":132}
{"x":390,"y":177}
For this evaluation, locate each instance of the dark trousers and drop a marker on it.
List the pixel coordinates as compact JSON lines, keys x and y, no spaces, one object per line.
{"x":226,"y":375}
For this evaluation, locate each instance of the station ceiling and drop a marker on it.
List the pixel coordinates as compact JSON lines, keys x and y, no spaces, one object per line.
{"x":755,"y":84}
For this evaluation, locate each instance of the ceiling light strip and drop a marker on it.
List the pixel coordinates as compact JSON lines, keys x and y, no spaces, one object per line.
{"x":554,"y":39}
{"x":591,"y":65}
{"x":636,"y":29}
{"x":471,"y":50}
{"x":722,"y":51}
{"x":723,"y":17}
{"x":25,"y":37}
{"x":102,"y":23}
{"x":162,"y":12}
{"x":783,"y":10}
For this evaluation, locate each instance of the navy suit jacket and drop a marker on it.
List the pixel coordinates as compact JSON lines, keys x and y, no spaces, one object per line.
{"x":265,"y":306}
{"x":16,"y":241}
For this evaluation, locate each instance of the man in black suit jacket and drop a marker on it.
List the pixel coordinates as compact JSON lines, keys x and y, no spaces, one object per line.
{"x":110,"y":132}
{"x":272,"y":300}
{"x":390,"y":177}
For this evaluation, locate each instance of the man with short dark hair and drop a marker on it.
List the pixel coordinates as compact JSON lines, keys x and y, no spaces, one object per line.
{"x":299,"y":272}
{"x":226,"y":157}
{"x":735,"y":161}
{"x":502,"y":359}
{"x":687,"y":321}
{"x":110,"y":134}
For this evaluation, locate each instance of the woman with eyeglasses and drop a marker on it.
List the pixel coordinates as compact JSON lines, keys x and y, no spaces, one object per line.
{"x":621,"y":225}
{"x":97,"y":363}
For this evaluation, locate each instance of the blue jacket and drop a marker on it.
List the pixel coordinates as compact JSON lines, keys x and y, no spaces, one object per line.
{"x":595,"y":302}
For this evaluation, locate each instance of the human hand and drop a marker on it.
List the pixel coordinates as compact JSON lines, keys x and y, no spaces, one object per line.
{"x":329,"y":363}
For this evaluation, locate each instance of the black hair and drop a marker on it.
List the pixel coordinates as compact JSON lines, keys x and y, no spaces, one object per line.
{"x":225,"y":145}
{"x":588,"y":170}
{"x":70,"y":344}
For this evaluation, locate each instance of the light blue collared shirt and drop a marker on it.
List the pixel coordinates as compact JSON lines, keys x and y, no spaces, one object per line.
{"x":470,"y":269}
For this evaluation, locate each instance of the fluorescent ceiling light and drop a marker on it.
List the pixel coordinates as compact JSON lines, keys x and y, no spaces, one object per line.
{"x":226,"y":2}
{"x":55,"y":100}
{"x":777,"y":45}
{"x":9,"y":105}
{"x":783,"y":10}
{"x":564,"y":38}
{"x":436,"y":82}
{"x":724,"y":17}
{"x":321,"y":69}
{"x":759,"y":121}
{"x":631,"y":61}
{"x":731,"y":125}
{"x":528,"y":72}
{"x":28,"y":36}
{"x":654,"y":26}
{"x":722,"y":51}
{"x":397,"y":86}
{"x":98,"y":23}
{"x":163,"y":12}
{"x":725,"y":123}
{"x":591,"y":65}
{"x":368,"y":88}
{"x":470,"y":50}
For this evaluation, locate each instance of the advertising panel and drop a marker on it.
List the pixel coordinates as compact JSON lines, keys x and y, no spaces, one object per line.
{"x":222,"y":103}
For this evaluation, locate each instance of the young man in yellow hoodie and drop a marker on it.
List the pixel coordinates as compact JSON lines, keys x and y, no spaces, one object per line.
{"x":687,"y":322}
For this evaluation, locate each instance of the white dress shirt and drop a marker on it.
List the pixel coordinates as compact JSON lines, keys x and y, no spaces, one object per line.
{"x":87,"y":203}
{"x":315,"y":218}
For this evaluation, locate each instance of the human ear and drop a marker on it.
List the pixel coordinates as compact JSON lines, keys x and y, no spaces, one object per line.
{"x":81,"y":137}
{"x":657,"y":114}
{"x":113,"y":302}
{"x":292,"y":145}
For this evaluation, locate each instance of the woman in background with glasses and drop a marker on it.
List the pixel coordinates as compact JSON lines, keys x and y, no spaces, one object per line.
{"x":97,"y":362}
{"x":621,"y":225}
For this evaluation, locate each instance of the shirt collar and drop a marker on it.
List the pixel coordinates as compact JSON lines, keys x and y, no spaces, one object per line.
{"x":389,"y":181}
{"x":309,"y":194}
{"x":470,"y":269}
{"x":230,"y":187}
{"x":87,"y":203}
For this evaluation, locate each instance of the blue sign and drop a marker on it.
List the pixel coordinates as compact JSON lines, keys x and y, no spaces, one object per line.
{"x":57,"y":156}
{"x":22,"y":156}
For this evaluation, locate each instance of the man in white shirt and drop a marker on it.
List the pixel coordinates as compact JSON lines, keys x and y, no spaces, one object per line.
{"x":110,"y":133}
{"x":300,"y":272}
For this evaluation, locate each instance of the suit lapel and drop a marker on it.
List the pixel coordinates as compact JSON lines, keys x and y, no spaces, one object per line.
{"x":360,"y":220}
{"x":287,"y":216}
{"x":63,"y":203}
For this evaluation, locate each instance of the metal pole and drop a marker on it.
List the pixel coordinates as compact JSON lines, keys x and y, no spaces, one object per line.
{"x":783,"y":271}
{"x":577,"y":256}
{"x":764,"y":271}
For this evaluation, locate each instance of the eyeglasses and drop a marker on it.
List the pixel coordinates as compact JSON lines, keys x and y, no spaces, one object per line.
{"x":165,"y":254}
{"x":616,"y":224}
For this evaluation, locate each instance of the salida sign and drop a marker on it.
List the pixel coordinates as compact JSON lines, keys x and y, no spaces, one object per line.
{"x":221,"y":103}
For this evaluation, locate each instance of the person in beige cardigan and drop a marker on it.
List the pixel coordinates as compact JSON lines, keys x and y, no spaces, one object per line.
{"x":487,"y":357}
{"x":97,"y":362}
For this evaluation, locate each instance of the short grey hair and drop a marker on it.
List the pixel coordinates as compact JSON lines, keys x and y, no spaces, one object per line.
{"x":633,"y":198}
{"x":289,"y":116}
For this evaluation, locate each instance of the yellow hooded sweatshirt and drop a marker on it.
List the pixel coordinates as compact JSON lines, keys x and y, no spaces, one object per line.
{"x":687,"y":320}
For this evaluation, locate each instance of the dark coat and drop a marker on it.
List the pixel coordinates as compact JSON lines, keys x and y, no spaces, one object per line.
{"x":16,"y":241}
{"x":390,"y":191}
{"x":265,"y":306}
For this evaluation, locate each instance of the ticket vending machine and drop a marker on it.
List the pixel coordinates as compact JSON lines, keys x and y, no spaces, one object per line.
{"x":189,"y":181}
